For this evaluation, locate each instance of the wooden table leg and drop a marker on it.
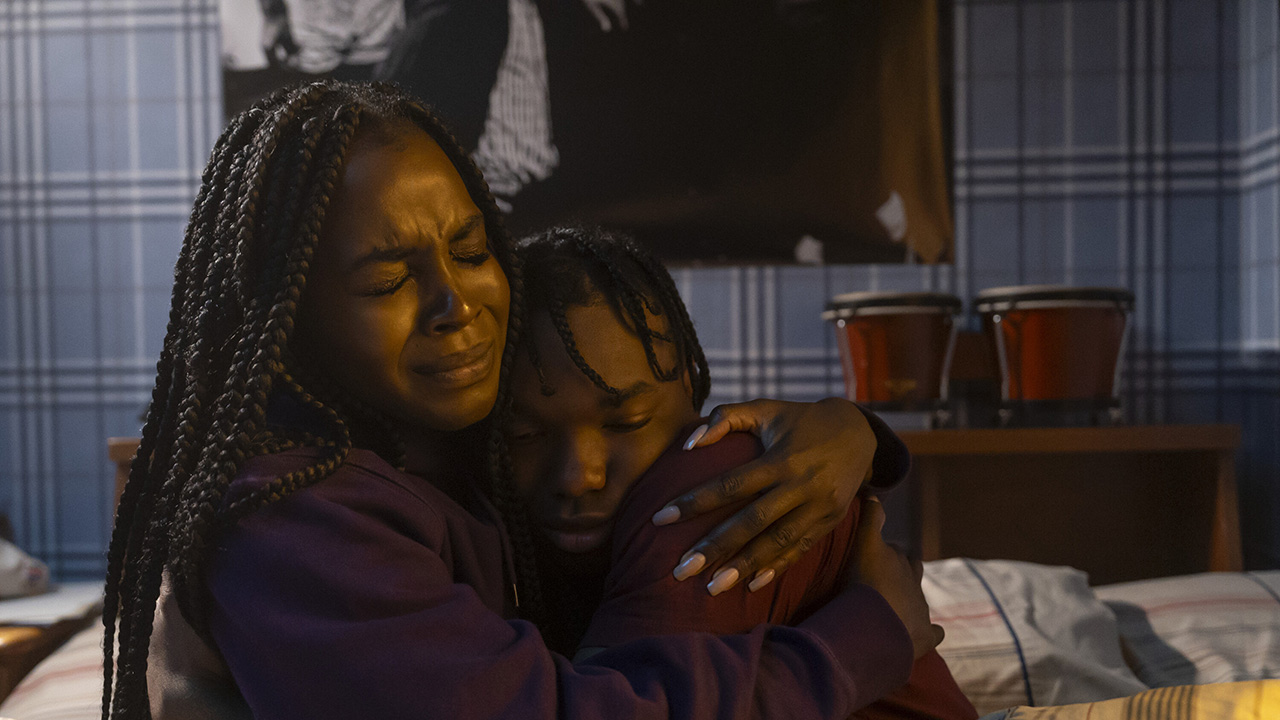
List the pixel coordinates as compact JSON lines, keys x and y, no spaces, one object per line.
{"x":1225,"y":554}
{"x":927,"y":520}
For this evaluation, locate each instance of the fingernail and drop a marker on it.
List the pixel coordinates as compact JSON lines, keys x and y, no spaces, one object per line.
{"x":695,"y":437}
{"x":666,"y":515}
{"x":723,"y":580}
{"x":760,"y":580}
{"x":691,"y":565}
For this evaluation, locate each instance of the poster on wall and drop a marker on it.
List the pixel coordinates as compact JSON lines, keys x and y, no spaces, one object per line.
{"x":715,"y":131}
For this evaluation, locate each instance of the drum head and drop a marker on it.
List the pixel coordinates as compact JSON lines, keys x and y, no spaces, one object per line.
{"x":1003,"y":299}
{"x":851,"y":304}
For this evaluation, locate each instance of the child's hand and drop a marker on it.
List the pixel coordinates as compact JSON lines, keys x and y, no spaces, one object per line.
{"x":186,"y":678}
{"x":888,"y":571}
{"x":817,"y":456}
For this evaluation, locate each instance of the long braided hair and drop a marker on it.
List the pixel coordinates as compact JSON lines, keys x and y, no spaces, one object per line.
{"x":579,"y":265}
{"x":253,"y":230}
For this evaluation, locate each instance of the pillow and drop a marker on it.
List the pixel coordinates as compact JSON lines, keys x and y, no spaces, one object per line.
{"x":1024,"y":634}
{"x":20,"y":574}
{"x":67,"y":685}
{"x":1196,"y":629}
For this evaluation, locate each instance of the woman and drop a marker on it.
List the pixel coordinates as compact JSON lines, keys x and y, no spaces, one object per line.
{"x":310,"y":477}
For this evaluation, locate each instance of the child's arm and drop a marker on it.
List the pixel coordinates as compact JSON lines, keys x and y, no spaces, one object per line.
{"x":887,"y":569}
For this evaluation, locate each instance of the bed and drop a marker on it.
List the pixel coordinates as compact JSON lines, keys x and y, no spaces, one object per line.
{"x":1020,"y":633}
{"x":1017,"y":634}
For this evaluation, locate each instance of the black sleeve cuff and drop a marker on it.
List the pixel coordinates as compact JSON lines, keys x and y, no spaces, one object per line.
{"x":892,"y":460}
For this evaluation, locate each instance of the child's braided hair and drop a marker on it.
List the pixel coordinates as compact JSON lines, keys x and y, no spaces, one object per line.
{"x":252,"y":233}
{"x":568,"y":266}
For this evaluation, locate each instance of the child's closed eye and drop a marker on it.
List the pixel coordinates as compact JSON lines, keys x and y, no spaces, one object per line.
{"x":627,"y":426}
{"x":518,"y":436}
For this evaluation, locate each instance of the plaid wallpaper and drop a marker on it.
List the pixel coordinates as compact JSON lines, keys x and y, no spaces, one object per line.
{"x":1116,"y":142}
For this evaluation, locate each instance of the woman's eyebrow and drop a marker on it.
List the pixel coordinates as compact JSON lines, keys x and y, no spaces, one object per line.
{"x":467,"y":228}
{"x":382,"y":254}
{"x":392,"y":252}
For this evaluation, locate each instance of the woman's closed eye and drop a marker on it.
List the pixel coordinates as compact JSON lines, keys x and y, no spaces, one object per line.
{"x":387,"y":286}
{"x":473,"y":250}
{"x":474,"y":258}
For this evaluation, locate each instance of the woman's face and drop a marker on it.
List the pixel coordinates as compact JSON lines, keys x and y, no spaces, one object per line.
{"x":405,"y":304}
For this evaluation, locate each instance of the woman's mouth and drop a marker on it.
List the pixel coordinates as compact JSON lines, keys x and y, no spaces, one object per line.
{"x":460,"y":369}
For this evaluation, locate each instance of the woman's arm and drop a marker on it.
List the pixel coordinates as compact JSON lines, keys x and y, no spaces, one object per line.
{"x":338,"y":602}
{"x":817,"y":456}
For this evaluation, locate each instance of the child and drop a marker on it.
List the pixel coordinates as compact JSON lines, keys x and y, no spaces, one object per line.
{"x":311,"y":479}
{"x":608,"y":386}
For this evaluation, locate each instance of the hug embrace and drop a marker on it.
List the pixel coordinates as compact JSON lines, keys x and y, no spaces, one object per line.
{"x":395,"y":466}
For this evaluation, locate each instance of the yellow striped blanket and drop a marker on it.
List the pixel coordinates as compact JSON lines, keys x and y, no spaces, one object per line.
{"x":1251,"y":700}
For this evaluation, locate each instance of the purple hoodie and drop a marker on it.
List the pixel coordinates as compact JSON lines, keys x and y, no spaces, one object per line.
{"x":374,"y":594}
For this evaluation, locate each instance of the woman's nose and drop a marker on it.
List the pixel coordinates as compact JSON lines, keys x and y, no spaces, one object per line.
{"x":445,"y":305}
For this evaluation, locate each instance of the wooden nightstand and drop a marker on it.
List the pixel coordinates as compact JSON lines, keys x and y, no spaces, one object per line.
{"x":1121,"y":503}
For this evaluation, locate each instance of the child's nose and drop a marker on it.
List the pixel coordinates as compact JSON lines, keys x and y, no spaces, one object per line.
{"x":582,"y":468}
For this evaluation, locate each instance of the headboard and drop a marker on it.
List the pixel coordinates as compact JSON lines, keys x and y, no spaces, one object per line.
{"x":121,"y":451}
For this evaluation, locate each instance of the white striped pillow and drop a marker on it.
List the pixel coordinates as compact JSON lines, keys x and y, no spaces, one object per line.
{"x":1197,"y":629}
{"x":1024,"y":634}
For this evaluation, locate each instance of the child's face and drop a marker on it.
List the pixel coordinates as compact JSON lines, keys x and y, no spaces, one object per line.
{"x":405,"y":306}
{"x":576,"y":452}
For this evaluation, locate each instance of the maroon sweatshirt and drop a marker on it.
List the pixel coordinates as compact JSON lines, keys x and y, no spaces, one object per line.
{"x":374,"y":594}
{"x":641,"y":598}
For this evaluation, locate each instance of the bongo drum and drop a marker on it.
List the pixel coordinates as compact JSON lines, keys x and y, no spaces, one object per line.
{"x":1055,"y":345}
{"x":895,"y":348}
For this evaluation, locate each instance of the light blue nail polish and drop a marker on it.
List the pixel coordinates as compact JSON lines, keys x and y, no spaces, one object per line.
{"x":666,"y":515}
{"x":695,"y":436}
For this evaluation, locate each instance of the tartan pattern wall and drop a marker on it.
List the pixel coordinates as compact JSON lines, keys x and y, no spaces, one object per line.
{"x":108,"y":109}
{"x":1115,"y":142}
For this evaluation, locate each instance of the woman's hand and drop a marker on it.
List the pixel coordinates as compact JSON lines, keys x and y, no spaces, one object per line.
{"x":888,"y":571}
{"x":817,"y":455}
